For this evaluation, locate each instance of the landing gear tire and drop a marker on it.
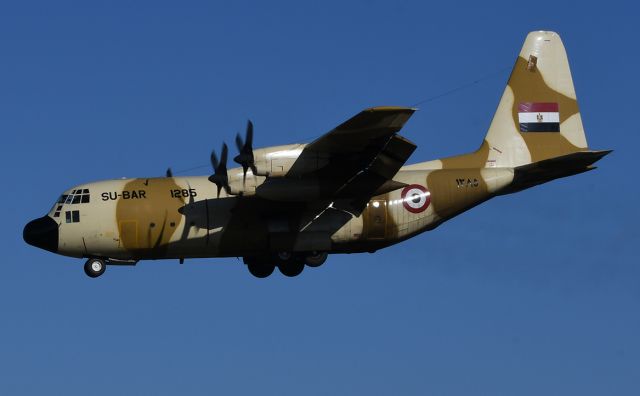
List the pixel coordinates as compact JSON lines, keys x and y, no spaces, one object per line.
{"x":315,"y":259}
{"x":261,"y":270}
{"x":94,"y":267}
{"x":292,"y":267}
{"x":260,"y":267}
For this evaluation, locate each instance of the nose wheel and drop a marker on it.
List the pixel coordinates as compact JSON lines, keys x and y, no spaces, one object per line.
{"x":94,"y":267}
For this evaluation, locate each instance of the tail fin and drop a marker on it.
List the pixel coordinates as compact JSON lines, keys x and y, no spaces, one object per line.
{"x":538,"y":117}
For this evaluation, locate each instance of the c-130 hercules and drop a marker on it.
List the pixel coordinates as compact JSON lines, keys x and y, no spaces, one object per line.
{"x":346,"y":192}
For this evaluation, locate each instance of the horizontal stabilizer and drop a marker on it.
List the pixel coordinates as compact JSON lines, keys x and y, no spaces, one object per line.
{"x":530,"y":175}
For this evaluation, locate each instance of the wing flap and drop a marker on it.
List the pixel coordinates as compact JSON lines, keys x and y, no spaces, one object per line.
{"x":354,"y":194}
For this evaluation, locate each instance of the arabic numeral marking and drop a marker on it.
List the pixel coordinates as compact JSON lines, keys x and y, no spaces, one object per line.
{"x":183,"y":193}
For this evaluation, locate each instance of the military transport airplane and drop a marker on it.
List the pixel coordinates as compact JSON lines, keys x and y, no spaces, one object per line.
{"x":346,"y":192}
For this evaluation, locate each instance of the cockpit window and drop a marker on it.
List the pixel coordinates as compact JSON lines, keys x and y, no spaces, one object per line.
{"x":84,"y":195}
{"x":77,"y":196}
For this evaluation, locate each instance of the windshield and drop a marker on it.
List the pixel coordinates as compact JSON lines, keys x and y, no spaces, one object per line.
{"x":78,"y":196}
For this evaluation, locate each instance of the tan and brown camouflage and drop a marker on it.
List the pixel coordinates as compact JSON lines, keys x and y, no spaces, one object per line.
{"x":345,"y":192}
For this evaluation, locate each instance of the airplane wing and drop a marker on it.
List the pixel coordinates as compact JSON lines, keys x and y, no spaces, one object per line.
{"x":359,"y":131}
{"x":357,"y":159}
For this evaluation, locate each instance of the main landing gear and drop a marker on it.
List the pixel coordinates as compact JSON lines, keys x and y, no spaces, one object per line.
{"x":289,"y":264}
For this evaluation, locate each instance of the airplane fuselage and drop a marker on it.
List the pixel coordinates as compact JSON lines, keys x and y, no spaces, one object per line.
{"x":181,"y":217}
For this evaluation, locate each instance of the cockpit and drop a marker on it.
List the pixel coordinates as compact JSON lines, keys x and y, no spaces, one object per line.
{"x":75,"y":197}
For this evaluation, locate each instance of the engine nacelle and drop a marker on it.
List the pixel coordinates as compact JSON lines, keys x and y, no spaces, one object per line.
{"x":277,"y":160}
{"x":273,"y":163}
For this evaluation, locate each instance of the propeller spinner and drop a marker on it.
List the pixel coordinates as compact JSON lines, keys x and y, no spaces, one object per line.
{"x":220,"y":177}
{"x":245,"y":157}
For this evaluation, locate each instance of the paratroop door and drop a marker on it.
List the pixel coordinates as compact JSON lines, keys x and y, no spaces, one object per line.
{"x":377,"y":221}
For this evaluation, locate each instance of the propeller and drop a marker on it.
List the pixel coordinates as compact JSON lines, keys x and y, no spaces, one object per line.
{"x":220,"y":177}
{"x":169,"y":173}
{"x":245,"y":158}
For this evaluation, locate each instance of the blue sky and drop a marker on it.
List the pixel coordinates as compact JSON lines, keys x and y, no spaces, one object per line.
{"x":533,"y":293}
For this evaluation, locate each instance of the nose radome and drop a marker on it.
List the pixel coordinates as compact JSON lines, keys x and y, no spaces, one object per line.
{"x":42,"y":233}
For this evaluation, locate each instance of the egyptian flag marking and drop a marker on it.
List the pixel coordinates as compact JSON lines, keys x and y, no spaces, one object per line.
{"x":539,"y":117}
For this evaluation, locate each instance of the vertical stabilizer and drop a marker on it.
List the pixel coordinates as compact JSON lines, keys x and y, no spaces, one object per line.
{"x":538,"y":117}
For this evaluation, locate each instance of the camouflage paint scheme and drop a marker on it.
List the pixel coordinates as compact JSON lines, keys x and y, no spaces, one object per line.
{"x":197,"y":223}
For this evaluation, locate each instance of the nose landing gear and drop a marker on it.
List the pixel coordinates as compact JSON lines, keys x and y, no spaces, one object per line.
{"x":95,"y":267}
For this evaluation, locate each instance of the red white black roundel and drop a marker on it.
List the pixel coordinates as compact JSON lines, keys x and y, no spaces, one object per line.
{"x":415,"y":198}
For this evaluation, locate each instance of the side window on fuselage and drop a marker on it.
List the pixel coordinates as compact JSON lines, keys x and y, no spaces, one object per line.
{"x":72,"y":216}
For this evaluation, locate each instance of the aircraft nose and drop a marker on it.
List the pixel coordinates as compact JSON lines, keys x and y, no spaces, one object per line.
{"x":42,"y":233}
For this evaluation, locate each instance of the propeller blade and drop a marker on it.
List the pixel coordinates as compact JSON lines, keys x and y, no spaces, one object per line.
{"x":214,"y":159}
{"x":244,"y":175}
{"x":248,"y":141}
{"x":169,"y":173}
{"x":223,"y":157}
{"x":245,"y":155}
{"x":220,"y":177}
{"x":239,"y":142}
{"x":220,"y":181}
